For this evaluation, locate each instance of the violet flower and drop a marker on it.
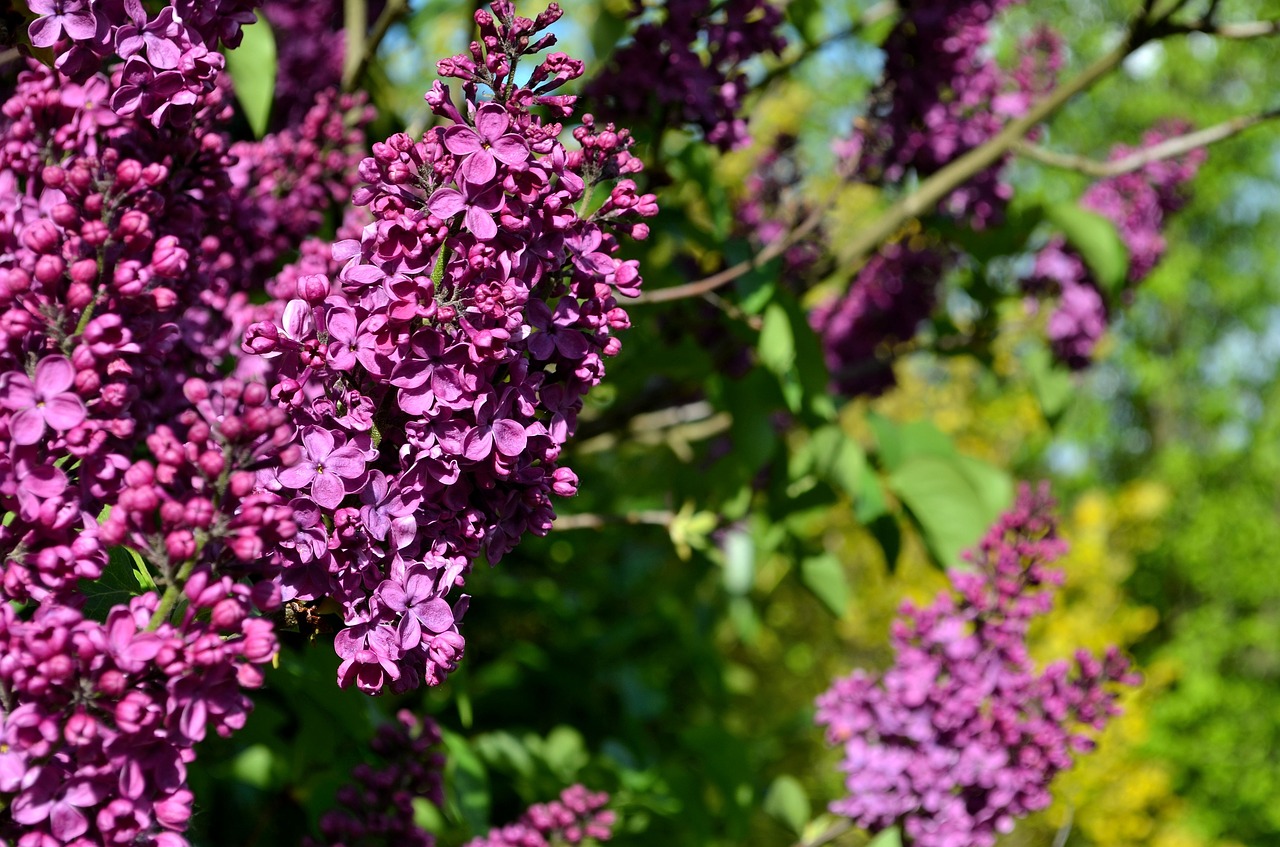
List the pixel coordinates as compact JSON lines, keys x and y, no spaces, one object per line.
{"x":326,"y":468}
{"x":56,"y":17}
{"x":47,"y":400}
{"x":489,"y":140}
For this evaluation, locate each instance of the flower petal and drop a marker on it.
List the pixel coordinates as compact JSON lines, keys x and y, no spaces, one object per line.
{"x":26,"y":426}
{"x":462,"y":140}
{"x":54,"y":375}
{"x":328,"y":490}
{"x":510,"y":438}
{"x":436,"y":615}
{"x":64,"y":412}
{"x":446,"y":203}
{"x":511,"y":149}
{"x":481,"y":224}
{"x":479,"y":168}
{"x":492,"y":121}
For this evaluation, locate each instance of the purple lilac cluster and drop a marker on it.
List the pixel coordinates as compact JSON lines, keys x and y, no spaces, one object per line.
{"x":885,"y":303}
{"x":436,"y":376}
{"x":377,"y":807}
{"x":943,"y":95}
{"x":126,"y":244}
{"x":577,"y":817}
{"x":169,"y":59}
{"x":690,"y":64}
{"x":962,"y":735}
{"x":769,"y":206}
{"x":1137,"y":203}
{"x":100,"y":719}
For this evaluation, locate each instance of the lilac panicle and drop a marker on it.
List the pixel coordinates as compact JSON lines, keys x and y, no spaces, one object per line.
{"x":578,"y":816}
{"x":962,"y":735}
{"x":377,"y":807}
{"x":689,"y":66}
{"x":436,"y":365}
{"x":1137,"y":203}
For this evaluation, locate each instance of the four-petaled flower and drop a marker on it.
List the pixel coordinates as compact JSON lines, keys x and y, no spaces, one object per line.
{"x":325,"y":468}
{"x":56,"y":17}
{"x":419,"y":605}
{"x":487,"y":142}
{"x":45,"y":401}
{"x":479,"y":202}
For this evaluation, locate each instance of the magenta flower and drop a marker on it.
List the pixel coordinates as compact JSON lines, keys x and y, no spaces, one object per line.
{"x":479,"y":204}
{"x":158,"y":38}
{"x":61,"y":16}
{"x":419,"y":605}
{"x":487,"y":142}
{"x":145,"y":92}
{"x":325,"y":468}
{"x":46,"y":401}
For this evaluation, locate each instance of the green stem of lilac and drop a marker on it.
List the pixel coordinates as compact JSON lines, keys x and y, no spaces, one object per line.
{"x":172,"y":593}
{"x":361,"y":50}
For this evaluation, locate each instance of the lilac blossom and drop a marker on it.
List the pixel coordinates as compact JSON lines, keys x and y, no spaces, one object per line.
{"x":43,"y":401}
{"x":445,"y":351}
{"x":962,"y":735}
{"x":577,"y":816}
{"x":55,"y":18}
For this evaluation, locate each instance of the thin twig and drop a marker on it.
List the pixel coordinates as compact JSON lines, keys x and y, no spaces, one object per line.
{"x":361,"y":50}
{"x":1242,"y":30}
{"x":656,"y":517}
{"x":1168,"y":149}
{"x":728,"y":275}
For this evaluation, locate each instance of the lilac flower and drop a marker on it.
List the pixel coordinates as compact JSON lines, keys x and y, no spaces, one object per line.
{"x":145,"y":92}
{"x":156,"y":37}
{"x":489,"y":140}
{"x":577,"y":816}
{"x":56,"y":17}
{"x":44,"y":401}
{"x":479,"y":203}
{"x":420,"y":606}
{"x":326,"y":468}
{"x":962,"y":735}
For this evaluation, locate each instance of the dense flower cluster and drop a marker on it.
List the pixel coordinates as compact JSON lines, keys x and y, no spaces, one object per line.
{"x":377,"y":808}
{"x":962,"y":735}
{"x":1137,"y":203}
{"x":884,"y":305}
{"x":690,"y":64}
{"x":943,"y":95}
{"x":100,"y":718}
{"x":578,"y":816}
{"x":435,"y":377}
{"x":169,"y":59}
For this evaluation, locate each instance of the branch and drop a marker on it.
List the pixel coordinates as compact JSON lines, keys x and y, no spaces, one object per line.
{"x":361,"y":50}
{"x":728,"y":275}
{"x":1241,"y":31}
{"x":656,"y":517}
{"x":1170,"y":148}
{"x":932,"y":191}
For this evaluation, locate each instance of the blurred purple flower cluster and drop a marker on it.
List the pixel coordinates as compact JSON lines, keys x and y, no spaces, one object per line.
{"x":962,"y":735}
{"x":690,"y":65}
{"x":1137,"y":203}
{"x":887,"y":300}
{"x":578,"y":816}
{"x":436,"y":375}
{"x":377,"y":808}
{"x":943,"y":95}
{"x":169,"y":59}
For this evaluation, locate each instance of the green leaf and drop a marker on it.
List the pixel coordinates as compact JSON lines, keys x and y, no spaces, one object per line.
{"x":897,"y":442}
{"x":468,"y":781}
{"x":787,"y":803}
{"x":838,"y":459}
{"x":953,"y":499}
{"x":891,"y":837}
{"x":777,"y":347}
{"x":255,"y":766}
{"x":1096,"y":240}
{"x":1051,"y":382}
{"x":565,"y":752}
{"x":824,"y":576}
{"x":121,"y":581}
{"x":252,"y":66}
